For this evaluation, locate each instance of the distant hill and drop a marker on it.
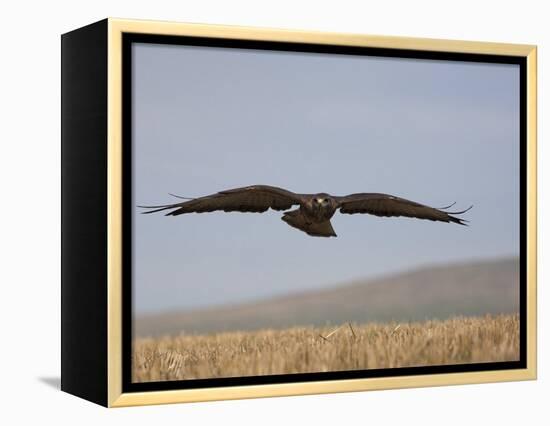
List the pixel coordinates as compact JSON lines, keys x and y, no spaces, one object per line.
{"x":474,"y":288}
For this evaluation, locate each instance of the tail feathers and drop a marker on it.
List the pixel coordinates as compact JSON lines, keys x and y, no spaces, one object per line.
{"x":297,"y":220}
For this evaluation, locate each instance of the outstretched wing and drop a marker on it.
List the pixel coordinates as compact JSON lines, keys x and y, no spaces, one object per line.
{"x":256,"y":198}
{"x":389,"y":205}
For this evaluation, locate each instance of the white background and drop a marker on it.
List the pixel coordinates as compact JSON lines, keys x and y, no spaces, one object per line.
{"x":30,"y":197}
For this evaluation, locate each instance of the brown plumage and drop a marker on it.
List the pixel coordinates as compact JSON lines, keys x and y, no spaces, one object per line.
{"x":314,"y":210}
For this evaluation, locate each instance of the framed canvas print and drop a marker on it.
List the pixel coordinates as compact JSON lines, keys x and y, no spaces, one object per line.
{"x":255,"y":212}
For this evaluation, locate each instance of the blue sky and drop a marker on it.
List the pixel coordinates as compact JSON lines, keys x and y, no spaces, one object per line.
{"x":208,"y":119}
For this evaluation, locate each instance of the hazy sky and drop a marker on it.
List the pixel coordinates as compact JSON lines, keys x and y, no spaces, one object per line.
{"x":208,"y":119}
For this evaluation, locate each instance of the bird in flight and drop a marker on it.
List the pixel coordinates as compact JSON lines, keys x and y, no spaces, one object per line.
{"x":314,"y":210}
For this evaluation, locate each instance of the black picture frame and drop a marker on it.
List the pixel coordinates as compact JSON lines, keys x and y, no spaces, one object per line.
{"x":85,"y":204}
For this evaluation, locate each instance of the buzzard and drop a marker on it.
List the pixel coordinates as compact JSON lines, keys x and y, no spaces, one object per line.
{"x":314,"y":210}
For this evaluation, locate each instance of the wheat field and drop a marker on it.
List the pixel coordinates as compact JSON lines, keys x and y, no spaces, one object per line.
{"x":318,"y":349}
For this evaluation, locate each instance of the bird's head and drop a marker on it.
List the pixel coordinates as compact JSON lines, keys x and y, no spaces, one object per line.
{"x":321,"y":200}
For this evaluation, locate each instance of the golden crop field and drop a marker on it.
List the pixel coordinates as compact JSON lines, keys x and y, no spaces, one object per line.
{"x":317,"y":349}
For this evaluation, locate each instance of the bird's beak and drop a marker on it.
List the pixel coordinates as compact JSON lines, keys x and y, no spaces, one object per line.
{"x":319,"y":200}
